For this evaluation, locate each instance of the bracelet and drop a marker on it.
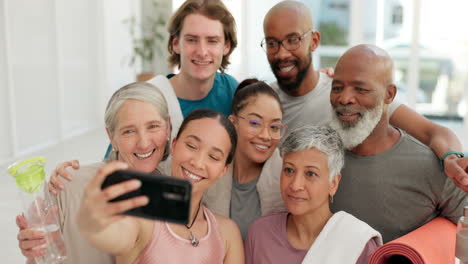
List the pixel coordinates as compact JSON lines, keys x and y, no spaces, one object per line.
{"x":457,"y":153}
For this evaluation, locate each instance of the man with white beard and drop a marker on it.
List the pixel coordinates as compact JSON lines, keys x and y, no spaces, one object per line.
{"x":390,"y":181}
{"x":290,"y":39}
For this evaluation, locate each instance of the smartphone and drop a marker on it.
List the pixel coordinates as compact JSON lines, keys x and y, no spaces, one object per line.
{"x":169,"y":198}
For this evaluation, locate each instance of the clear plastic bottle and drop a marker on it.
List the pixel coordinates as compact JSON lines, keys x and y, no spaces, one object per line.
{"x":461,"y":247}
{"x":40,"y":208}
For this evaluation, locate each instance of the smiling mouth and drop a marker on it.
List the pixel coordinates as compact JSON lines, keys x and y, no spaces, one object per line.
{"x":287,"y":68}
{"x":202,"y":63}
{"x":144,"y":155}
{"x":261,"y":147}
{"x":191,"y":176}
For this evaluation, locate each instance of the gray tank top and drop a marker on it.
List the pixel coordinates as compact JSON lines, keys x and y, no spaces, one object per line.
{"x":245,"y":204}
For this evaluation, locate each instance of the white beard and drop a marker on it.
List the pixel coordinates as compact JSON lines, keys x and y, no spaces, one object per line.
{"x":353,"y":135}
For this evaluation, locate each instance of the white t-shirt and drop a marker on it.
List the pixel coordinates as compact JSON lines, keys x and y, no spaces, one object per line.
{"x":312,"y":108}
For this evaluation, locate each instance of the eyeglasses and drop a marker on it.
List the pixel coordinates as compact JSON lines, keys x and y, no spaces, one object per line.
{"x":272,"y":46}
{"x":256,"y":126}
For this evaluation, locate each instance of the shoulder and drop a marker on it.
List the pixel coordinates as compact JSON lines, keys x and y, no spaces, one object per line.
{"x":160,"y":81}
{"x":324,"y":79}
{"x":271,"y":222}
{"x":228,"y":230}
{"x":323,"y":84}
{"x":412,"y":144}
{"x":225,"y":224}
{"x":224,"y":79}
{"x":274,"y":85}
{"x":82,"y":176}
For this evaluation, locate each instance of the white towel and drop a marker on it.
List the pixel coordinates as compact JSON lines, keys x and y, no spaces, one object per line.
{"x":342,"y":240}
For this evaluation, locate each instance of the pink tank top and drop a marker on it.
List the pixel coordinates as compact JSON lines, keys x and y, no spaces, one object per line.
{"x":167,"y":247}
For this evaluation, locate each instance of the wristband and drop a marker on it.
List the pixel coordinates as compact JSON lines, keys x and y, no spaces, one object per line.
{"x":457,"y":153}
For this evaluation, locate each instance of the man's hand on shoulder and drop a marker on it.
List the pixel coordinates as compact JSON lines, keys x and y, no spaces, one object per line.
{"x":456,"y":168}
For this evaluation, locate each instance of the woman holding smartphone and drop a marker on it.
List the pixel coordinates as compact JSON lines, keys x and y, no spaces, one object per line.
{"x":201,"y":153}
{"x":137,"y":123}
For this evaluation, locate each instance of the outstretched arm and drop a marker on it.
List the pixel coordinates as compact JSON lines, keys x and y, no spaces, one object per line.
{"x":440,"y":139}
{"x":101,"y":221}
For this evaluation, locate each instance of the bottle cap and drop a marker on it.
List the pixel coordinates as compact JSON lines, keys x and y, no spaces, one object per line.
{"x":29,"y":174}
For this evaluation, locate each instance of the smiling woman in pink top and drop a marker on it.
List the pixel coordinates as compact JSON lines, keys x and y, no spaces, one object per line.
{"x":201,"y":153}
{"x":309,"y":232}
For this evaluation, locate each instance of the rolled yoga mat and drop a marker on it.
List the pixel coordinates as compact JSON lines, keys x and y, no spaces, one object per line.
{"x":432,"y":243}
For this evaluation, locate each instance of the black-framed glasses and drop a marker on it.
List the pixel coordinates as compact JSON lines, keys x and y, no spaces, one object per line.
{"x":255,"y":127}
{"x":291,"y":43}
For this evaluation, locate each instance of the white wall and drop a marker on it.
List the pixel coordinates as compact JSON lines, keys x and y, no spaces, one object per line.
{"x":60,"y":60}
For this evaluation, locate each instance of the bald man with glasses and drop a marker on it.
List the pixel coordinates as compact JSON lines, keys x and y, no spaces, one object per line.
{"x":290,"y":39}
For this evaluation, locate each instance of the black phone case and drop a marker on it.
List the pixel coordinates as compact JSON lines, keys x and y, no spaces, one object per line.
{"x":169,"y":198}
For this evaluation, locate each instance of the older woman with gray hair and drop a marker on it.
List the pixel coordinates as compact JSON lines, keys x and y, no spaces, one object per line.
{"x":309,"y":232}
{"x":137,"y":123}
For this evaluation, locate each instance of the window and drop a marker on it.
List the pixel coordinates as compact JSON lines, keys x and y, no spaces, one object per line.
{"x":397,"y":15}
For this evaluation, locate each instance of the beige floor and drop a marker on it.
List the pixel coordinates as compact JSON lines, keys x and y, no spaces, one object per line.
{"x":87,"y":148}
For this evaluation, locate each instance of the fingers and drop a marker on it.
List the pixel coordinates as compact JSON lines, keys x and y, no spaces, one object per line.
{"x":116,"y":190}
{"x":457,"y":169}
{"x":32,"y":242}
{"x":33,"y":253}
{"x":30,"y":234}
{"x":117,"y":208}
{"x":328,"y":71}
{"x":61,"y":169}
{"x":54,"y":184}
{"x":75,"y":164}
{"x":103,"y":172}
{"x":21,"y":222}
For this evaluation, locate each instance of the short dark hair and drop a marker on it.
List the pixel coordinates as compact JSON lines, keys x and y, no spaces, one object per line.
{"x":250,"y":88}
{"x":226,"y":123}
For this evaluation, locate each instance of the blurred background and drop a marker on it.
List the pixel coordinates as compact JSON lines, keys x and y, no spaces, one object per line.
{"x":60,"y":60}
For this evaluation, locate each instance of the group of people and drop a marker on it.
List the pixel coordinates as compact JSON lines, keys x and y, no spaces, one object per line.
{"x":265,"y":161}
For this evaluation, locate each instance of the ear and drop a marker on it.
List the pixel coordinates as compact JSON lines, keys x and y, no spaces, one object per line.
{"x":173,"y":144}
{"x":111,"y":138}
{"x":390,"y":93}
{"x":233,"y":120}
{"x":315,"y":40}
{"x":169,"y":127}
{"x":227,"y":48}
{"x":334,"y":184}
{"x":176,"y":45}
{"x":226,"y":168}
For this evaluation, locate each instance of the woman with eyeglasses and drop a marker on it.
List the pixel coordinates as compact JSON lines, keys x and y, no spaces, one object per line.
{"x":250,"y":188}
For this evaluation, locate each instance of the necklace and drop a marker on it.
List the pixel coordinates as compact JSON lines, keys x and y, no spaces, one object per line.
{"x":193,"y":239}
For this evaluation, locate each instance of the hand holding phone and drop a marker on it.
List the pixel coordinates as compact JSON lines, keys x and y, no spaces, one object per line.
{"x":169,"y":198}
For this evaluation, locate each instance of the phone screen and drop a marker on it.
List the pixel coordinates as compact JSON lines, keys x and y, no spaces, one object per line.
{"x":169,"y":198}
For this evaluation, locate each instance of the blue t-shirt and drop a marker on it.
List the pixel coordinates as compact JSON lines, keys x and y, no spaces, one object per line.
{"x":219,"y":98}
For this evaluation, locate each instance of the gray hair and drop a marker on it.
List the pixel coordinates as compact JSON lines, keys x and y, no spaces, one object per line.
{"x":140,"y":91}
{"x":322,"y":138}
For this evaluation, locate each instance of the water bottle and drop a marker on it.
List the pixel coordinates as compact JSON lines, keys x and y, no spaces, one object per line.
{"x":461,"y":247}
{"x":39,"y":207}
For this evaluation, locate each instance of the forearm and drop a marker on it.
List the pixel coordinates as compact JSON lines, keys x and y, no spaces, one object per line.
{"x":442,"y":140}
{"x":116,"y":239}
{"x":439,"y":138}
